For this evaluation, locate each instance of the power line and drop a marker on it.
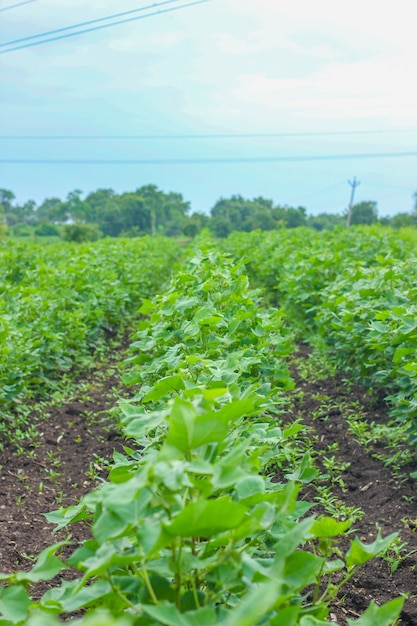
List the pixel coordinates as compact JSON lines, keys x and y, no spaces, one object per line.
{"x":318,"y":193}
{"x":207,"y":136}
{"x":207,"y":161}
{"x":19,"y":4}
{"x":89,"y":30}
{"x":88,"y":23}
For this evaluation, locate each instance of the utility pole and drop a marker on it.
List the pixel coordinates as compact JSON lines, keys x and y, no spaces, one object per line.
{"x":355,"y":183}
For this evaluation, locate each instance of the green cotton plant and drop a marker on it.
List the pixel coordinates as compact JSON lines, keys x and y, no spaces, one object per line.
{"x":190,"y":527}
{"x":371,"y":326}
{"x":195,"y":534}
{"x":208,"y":329}
{"x":209,"y":314}
{"x":354,"y":288}
{"x":59,"y":303}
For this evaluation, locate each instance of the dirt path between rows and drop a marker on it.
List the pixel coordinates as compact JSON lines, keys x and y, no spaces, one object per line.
{"x":388,"y":502}
{"x":65,"y":462}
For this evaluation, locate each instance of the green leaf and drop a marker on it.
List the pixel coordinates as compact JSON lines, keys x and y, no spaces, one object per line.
{"x":206,"y":518}
{"x":301,"y":569}
{"x":360,"y":553}
{"x":41,"y":618}
{"x":14,"y":603}
{"x":309,"y":620}
{"x":182,"y":420}
{"x":401,"y":352}
{"x":170,"y":616}
{"x":286,"y":617}
{"x":70,"y":596}
{"x":255,"y":605}
{"x":63,"y":517}
{"x":249,"y":486}
{"x":329,"y":527}
{"x":138,"y":423}
{"x":189,"y":430}
{"x":163,"y":387}
{"x":47,"y":565}
{"x":384,"y":615}
{"x":306,"y":472}
{"x":146,"y":307}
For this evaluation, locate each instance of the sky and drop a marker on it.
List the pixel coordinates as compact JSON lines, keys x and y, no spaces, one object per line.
{"x":285,"y":100}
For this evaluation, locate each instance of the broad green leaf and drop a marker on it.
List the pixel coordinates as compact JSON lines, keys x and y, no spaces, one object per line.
{"x":255,"y":605}
{"x":46,"y":567}
{"x":170,"y":616}
{"x":333,"y":566}
{"x":306,"y":472}
{"x":163,"y":387}
{"x":329,"y":527}
{"x":401,"y":352}
{"x":69,"y":515}
{"x":14,"y":603}
{"x":212,"y":393}
{"x":288,"y":542}
{"x":189,"y":430}
{"x":360,"y":553}
{"x":41,"y":618}
{"x":101,"y":617}
{"x":310,"y":620}
{"x":385,"y":615}
{"x":71,"y":596}
{"x":118,"y":552}
{"x":146,"y":307}
{"x":249,"y":486}
{"x":206,"y":518}
{"x":301,"y":569}
{"x":181,"y":421}
{"x":286,"y":617}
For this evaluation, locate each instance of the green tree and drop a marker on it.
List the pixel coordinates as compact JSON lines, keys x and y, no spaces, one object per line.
{"x":51,"y":210}
{"x":166,"y":211}
{"x":6,"y":200}
{"x":364,"y":213}
{"x":75,"y":209}
{"x":238,"y":213}
{"x":325,"y":221}
{"x":400,"y":220}
{"x":14,"y":214}
{"x":291,"y":217}
{"x":195,"y":223}
{"x":98,"y":201}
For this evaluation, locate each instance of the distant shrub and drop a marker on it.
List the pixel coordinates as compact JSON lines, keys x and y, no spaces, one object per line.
{"x":47,"y":230}
{"x":82,"y":232}
{"x":22,"y":230}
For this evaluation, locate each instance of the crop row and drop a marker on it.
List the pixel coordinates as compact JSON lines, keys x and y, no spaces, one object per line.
{"x":357,"y":290}
{"x":59,"y":304}
{"x":195,"y":525}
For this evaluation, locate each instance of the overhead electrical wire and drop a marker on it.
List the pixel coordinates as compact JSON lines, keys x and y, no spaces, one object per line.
{"x":208,"y":161}
{"x":18,"y":4}
{"x":208,"y":135}
{"x":87,"y":23}
{"x":94,"y":28}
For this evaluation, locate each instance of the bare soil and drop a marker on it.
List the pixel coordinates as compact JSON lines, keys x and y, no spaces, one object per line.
{"x":67,"y":461}
{"x":388,"y":502}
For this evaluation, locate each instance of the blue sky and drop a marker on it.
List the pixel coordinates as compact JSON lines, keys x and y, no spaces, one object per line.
{"x":316,"y":78}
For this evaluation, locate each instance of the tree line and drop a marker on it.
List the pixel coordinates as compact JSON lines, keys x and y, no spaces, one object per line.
{"x":149,"y":210}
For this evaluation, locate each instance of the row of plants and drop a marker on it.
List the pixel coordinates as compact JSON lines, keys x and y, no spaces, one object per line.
{"x":195,"y":525}
{"x":61,"y":304}
{"x":356,"y":289}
